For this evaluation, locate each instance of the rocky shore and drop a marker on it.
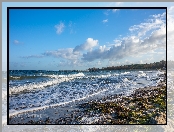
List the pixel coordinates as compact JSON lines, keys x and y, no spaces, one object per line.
{"x":144,"y":106}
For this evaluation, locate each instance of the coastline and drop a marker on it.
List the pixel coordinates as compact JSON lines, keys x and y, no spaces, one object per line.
{"x":144,"y":106}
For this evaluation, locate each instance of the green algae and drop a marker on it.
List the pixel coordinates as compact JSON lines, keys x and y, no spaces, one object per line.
{"x":137,"y":111}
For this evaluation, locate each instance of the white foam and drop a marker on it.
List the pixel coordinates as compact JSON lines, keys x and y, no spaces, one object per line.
{"x":160,"y":72}
{"x":74,"y":90}
{"x":66,"y":76}
{"x":142,"y":74}
{"x":125,"y":73}
{"x":14,"y":77}
{"x":149,"y":71}
{"x":58,"y":79}
{"x":104,"y":76}
{"x":125,"y":80}
{"x":15,"y":112}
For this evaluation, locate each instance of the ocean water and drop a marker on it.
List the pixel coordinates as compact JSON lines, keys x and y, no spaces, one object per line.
{"x":31,"y":90}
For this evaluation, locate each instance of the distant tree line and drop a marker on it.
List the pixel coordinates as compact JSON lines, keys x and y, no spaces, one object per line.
{"x":155,"y":65}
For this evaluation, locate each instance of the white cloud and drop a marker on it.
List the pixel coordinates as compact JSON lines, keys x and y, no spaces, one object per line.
{"x":156,"y":22}
{"x":130,"y":46}
{"x":88,"y":45}
{"x":147,"y":39}
{"x":157,"y":15}
{"x":104,"y":21}
{"x":99,"y":53}
{"x":59,"y":28}
{"x":63,"y":53}
{"x":133,"y":45}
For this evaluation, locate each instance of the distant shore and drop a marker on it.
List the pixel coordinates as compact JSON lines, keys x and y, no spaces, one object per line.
{"x":144,"y":106}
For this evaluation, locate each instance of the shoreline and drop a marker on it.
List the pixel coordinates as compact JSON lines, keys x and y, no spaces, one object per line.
{"x":137,"y":108}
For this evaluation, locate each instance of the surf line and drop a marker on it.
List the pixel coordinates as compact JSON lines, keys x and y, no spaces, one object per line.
{"x":53,"y":105}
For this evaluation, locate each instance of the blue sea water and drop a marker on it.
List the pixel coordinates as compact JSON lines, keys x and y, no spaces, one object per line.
{"x":37,"y":89}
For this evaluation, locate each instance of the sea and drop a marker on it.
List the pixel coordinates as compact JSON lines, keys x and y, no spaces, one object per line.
{"x":31,"y":90}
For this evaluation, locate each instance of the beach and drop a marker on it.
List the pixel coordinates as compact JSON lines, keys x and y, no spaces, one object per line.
{"x":144,"y":106}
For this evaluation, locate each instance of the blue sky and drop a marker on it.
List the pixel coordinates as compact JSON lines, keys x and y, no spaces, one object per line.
{"x":47,"y":56}
{"x":58,"y":39}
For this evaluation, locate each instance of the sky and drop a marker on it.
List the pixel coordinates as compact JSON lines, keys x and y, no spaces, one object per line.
{"x":68,"y":39}
{"x":54,"y":55}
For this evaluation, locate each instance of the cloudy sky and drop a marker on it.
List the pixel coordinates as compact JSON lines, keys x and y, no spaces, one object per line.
{"x":60,"y":39}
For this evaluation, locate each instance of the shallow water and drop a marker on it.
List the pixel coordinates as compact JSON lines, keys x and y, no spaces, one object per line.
{"x":32,"y":90}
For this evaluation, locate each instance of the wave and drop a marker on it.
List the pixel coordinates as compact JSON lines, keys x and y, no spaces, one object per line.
{"x":13,"y":112}
{"x":125,"y":73}
{"x":142,"y":75}
{"x":74,"y":90}
{"x":24,"y":77}
{"x":41,"y":85}
{"x":66,"y":76}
